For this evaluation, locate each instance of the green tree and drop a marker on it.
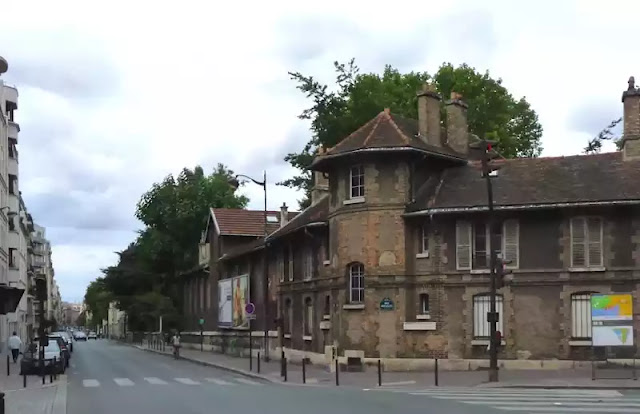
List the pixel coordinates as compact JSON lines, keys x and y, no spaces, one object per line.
{"x":356,"y":98}
{"x":594,"y":145}
{"x":97,"y":299}
{"x":145,"y":280}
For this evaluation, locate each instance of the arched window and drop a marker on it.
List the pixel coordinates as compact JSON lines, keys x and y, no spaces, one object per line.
{"x":481,"y":307}
{"x":308,"y":317}
{"x":356,"y":283}
{"x":581,"y":315}
{"x":424,"y":304}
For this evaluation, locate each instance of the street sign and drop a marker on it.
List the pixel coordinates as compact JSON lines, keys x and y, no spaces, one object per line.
{"x":201,"y":321}
{"x":250,"y":310}
{"x":387,"y":304}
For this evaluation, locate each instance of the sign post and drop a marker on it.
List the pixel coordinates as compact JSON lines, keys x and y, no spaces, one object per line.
{"x":612,"y":321}
{"x":250,"y":312}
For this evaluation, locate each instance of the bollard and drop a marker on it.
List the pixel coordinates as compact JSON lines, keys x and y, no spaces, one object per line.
{"x":435,"y":371}
{"x":337,"y":373}
{"x":304,"y":370}
{"x":42,"y":371}
{"x":2,"y":403}
{"x":285,"y":369}
{"x":258,"y":362}
{"x":24,"y":380}
{"x":53,"y":369}
{"x":8,"y":367}
{"x":379,"y":373}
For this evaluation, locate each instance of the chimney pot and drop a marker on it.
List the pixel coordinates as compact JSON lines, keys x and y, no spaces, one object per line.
{"x":631,"y":118}
{"x":284,"y":215}
{"x":429,"y":115}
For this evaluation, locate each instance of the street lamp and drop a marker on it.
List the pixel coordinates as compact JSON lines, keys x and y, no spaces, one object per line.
{"x":235,"y":183}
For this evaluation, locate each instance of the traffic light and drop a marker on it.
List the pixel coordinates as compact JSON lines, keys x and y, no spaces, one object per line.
{"x":501,"y":272}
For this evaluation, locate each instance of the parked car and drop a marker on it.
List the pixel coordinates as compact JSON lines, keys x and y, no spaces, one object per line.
{"x":54,"y":360}
{"x":67,"y":337}
{"x":92,"y":335}
{"x":62,"y":344}
{"x":79,"y":336}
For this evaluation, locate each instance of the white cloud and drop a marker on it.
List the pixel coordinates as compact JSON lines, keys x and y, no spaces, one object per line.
{"x":113,"y":98}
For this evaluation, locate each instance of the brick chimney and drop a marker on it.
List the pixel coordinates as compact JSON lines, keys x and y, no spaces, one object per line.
{"x":631,"y":135}
{"x":457,"y":126}
{"x":320,"y":183}
{"x":429,"y":115}
{"x":284,"y":215}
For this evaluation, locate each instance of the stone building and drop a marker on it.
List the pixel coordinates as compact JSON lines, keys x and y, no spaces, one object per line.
{"x":391,"y":258}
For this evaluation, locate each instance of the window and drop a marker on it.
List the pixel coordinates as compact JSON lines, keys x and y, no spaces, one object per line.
{"x":308,"y":317}
{"x":586,"y":242}
{"x":13,"y":262}
{"x":473,"y":244}
{"x":327,"y":305}
{"x":13,"y":184}
{"x":288,"y":316}
{"x":424,"y":304}
{"x":581,"y":316}
{"x":356,"y":283}
{"x":280,"y":266}
{"x":424,"y":238}
{"x":357,"y":181}
{"x":11,"y":221}
{"x":290,"y":262}
{"x":326,"y":257}
{"x":308,"y":263}
{"x":481,"y":307}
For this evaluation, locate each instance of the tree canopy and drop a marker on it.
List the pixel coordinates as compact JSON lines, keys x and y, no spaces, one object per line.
{"x":337,"y":111}
{"x":145,"y":281}
{"x":594,"y":145}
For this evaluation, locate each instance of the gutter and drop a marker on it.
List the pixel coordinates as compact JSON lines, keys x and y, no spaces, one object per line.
{"x":475,"y":209}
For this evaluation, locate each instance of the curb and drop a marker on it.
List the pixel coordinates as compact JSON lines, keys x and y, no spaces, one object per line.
{"x":569,"y":387}
{"x":215,"y":365}
{"x":59,"y":405}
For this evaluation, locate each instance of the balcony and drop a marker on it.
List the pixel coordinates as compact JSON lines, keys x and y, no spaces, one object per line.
{"x":14,"y":129}
{"x":204,"y":254}
{"x":11,"y":96}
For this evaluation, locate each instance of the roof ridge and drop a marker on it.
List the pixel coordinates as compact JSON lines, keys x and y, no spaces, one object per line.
{"x":399,"y":130}
{"x":378,"y":119}
{"x":352,"y":134}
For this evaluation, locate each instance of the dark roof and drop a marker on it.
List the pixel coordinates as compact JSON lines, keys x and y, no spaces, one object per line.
{"x":239,"y":222}
{"x":535,"y":181}
{"x":316,"y":213}
{"x":386,"y":132}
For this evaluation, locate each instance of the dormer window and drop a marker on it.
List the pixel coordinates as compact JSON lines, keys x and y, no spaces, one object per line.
{"x":357,"y":182}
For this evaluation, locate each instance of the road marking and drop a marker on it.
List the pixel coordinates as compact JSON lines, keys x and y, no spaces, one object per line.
{"x":393,"y":384}
{"x":155,"y":381}
{"x":123,"y":382}
{"x":90,"y":383}
{"x":187,"y":381}
{"x":218,"y":381}
{"x":247,"y":381}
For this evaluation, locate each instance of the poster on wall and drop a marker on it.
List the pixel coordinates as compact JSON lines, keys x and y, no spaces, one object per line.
{"x":225,"y":303}
{"x":612,"y":320}
{"x":240,"y":299}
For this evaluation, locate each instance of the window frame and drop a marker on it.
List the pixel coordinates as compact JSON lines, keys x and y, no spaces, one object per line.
{"x":581,"y":301}
{"x":356,"y":272}
{"x":484,"y":299}
{"x":421,"y":309}
{"x":586,"y":243}
{"x":307,"y":260}
{"x":307,"y":317}
{"x":360,"y":187}
{"x":469,"y":245}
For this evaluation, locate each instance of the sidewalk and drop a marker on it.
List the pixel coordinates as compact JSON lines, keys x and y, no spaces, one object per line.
{"x":36,"y":398}
{"x":270,"y":371}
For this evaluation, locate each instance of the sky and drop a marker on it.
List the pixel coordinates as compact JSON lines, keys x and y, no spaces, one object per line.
{"x":114,"y":98}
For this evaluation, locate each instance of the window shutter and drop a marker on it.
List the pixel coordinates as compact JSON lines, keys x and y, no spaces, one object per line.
{"x":511,"y":240}
{"x":578,"y":241}
{"x":594,"y":225}
{"x":463,"y":245}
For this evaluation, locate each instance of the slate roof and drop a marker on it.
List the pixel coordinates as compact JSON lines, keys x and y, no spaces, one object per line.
{"x":316,"y":213}
{"x":239,"y":222}
{"x":386,"y":132}
{"x":534,"y":182}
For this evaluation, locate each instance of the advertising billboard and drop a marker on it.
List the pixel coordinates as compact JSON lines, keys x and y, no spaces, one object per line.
{"x":233,"y":296}
{"x":612,"y":320}
{"x":225,"y":303}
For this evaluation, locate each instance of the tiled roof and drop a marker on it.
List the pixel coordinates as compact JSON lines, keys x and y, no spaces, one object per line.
{"x":239,"y":222}
{"x":535,"y":181}
{"x":313,"y":214}
{"x":386,"y":131}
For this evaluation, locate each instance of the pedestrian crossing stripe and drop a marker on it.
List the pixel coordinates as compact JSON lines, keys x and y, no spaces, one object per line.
{"x":127,"y":382}
{"x":537,"y":400}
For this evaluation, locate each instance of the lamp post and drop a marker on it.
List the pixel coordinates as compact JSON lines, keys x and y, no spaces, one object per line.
{"x":235,"y":183}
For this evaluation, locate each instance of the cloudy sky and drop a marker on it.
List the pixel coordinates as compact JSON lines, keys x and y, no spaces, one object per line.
{"x":115,"y":98}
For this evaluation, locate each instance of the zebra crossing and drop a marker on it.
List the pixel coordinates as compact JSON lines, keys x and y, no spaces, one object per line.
{"x":127,"y":382}
{"x":534,"y":401}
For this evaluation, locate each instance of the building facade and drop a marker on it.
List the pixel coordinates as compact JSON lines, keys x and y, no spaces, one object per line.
{"x":391,"y":259}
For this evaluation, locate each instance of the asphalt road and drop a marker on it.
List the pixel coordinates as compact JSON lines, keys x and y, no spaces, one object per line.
{"x":110,"y":378}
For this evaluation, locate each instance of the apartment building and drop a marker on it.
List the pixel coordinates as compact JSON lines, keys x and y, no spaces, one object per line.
{"x":391,"y":258}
